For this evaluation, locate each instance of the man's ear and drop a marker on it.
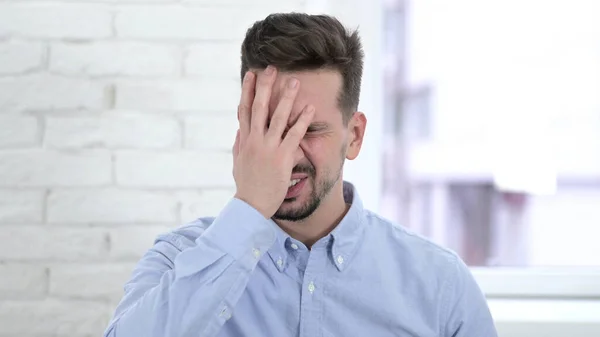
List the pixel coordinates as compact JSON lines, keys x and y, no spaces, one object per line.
{"x":356,"y":128}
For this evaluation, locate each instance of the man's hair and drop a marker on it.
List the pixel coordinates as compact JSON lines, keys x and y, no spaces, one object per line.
{"x":298,"y":42}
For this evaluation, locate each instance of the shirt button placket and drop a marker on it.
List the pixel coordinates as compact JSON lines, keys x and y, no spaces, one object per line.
{"x":311,"y":304}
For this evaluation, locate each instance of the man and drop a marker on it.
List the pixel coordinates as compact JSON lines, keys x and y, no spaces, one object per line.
{"x":294,"y":253}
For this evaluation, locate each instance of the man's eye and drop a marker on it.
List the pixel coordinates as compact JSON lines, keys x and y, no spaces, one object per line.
{"x":314,"y":128}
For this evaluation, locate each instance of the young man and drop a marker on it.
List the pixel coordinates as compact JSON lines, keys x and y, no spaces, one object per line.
{"x":294,"y":253}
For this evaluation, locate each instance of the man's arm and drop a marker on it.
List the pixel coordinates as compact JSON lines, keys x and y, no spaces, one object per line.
{"x":192,"y":292}
{"x":465,"y":312}
{"x":196,"y":295}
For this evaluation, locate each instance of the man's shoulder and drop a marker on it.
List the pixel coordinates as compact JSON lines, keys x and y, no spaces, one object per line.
{"x":184,"y":236}
{"x":411,"y":248}
{"x":430,"y":277}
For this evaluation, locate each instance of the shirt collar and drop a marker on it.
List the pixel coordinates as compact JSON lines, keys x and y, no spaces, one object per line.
{"x":278,"y":252}
{"x":345,"y":236}
{"x":348,"y":232}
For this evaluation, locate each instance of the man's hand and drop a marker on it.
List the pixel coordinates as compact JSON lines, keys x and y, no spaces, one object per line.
{"x":262,"y":158}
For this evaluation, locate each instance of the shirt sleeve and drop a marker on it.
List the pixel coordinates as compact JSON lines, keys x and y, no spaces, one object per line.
{"x":466,"y":312}
{"x":191,"y":292}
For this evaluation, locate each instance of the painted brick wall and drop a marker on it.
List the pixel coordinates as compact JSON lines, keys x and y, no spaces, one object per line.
{"x":116,"y":121}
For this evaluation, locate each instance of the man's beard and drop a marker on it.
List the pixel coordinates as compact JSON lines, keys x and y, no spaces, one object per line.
{"x":319,"y":190}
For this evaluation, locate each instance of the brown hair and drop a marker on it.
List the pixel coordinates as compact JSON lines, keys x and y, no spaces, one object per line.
{"x":298,"y":41}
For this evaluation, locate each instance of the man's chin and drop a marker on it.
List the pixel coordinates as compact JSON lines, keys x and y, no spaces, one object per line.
{"x":289,"y":207}
{"x":291,"y":210}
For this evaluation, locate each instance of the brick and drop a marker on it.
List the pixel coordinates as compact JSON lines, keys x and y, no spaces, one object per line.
{"x":130,"y":243}
{"x":203,"y":203}
{"x":197,"y":23}
{"x":64,"y":21}
{"x":211,"y":132}
{"x":111,"y":206}
{"x":277,"y":5}
{"x":51,"y":168}
{"x":19,"y":57}
{"x":22,"y":281}
{"x":183,"y":169}
{"x":113,"y":130}
{"x":182,"y":95}
{"x":19,"y":206}
{"x":47,"y":92}
{"x":89,"y":281}
{"x":126,"y":1}
{"x":20,"y":131}
{"x":50,"y":317}
{"x":43,"y":243}
{"x":115,"y":58}
{"x":213,"y":59}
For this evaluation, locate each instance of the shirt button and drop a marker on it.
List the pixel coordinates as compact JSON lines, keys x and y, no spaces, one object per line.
{"x":294,"y":246}
{"x":225,"y":313}
{"x":256,"y":253}
{"x":340,"y":259}
{"x":279,"y":262}
{"x":311,"y":287}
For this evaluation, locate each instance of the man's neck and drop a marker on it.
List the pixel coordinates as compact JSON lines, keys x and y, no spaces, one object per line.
{"x":329,"y":214}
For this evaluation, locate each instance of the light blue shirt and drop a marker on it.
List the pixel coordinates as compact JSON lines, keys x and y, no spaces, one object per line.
{"x":239,"y":274}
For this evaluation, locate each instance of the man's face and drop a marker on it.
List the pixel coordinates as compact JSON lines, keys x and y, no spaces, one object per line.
{"x":321,"y":154}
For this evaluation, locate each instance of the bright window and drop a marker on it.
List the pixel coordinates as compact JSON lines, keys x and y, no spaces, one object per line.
{"x":492,"y":138}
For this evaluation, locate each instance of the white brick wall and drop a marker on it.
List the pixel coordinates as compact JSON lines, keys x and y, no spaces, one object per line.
{"x":178,"y":95}
{"x":20,"y":132}
{"x":116,"y":123}
{"x":216,"y":64}
{"x":21,"y":206}
{"x":55,"y":20}
{"x":115,"y":58}
{"x":19,"y":57}
{"x":45,"y":92}
{"x":114,"y":130}
{"x":200,"y":132}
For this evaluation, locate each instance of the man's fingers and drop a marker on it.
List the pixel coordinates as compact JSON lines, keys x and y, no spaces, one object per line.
{"x":236,"y":145}
{"x":281,"y":116}
{"x":260,"y":106}
{"x":296,"y":133}
{"x":245,"y":107}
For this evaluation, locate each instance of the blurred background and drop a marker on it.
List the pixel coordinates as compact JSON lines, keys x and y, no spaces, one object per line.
{"x":117,"y":118}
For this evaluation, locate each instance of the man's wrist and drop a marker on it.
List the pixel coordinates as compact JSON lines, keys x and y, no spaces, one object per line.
{"x":240,"y":229}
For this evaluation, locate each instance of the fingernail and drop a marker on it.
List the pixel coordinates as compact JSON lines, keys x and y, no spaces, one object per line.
{"x":293,"y":83}
{"x":269,"y":70}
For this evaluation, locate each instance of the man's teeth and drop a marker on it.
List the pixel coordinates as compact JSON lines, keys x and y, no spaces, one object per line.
{"x":294,"y":182}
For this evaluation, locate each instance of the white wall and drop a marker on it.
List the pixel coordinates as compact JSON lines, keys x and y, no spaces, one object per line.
{"x":366,"y":171}
{"x":116,"y":120}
